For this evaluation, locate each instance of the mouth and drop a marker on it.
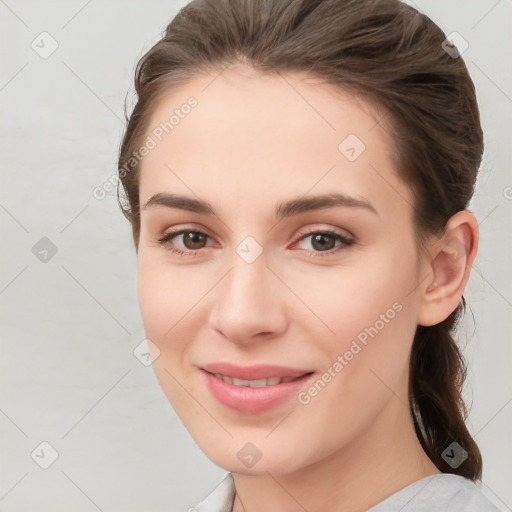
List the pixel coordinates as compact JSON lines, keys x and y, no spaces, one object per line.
{"x":256,"y":383}
{"x":268,"y":387}
{"x":257,"y":372}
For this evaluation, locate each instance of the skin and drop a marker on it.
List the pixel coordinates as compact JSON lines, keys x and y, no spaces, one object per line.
{"x":252,"y":142}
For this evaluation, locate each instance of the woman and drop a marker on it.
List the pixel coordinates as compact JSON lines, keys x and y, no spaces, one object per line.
{"x":297,"y":176}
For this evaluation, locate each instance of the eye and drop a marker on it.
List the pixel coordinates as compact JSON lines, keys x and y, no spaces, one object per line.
{"x":192,"y":240}
{"x":323,"y":241}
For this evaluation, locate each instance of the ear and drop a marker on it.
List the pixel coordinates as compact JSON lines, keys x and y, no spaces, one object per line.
{"x":448,"y":267}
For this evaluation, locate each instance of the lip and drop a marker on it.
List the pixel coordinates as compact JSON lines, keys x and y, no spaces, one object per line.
{"x":254,"y":400}
{"x":254,"y":372}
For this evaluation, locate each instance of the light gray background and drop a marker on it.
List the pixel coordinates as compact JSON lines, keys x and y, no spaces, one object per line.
{"x":69,"y":326}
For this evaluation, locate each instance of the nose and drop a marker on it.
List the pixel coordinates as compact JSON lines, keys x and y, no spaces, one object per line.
{"x":250,"y":303}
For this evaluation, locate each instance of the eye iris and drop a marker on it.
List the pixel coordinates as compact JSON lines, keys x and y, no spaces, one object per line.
{"x":193,"y":238}
{"x":320,"y":238}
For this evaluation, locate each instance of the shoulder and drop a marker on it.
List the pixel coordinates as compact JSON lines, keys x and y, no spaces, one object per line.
{"x":220,"y":499}
{"x":441,"y":492}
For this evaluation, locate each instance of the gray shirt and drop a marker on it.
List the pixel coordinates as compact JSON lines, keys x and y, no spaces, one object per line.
{"x":444,"y":492}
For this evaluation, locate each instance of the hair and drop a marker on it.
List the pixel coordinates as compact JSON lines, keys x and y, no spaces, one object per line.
{"x":393,"y":56}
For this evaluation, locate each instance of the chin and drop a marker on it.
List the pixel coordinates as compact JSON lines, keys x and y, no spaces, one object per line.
{"x":246,"y":459}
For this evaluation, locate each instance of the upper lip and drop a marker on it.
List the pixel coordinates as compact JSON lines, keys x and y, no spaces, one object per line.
{"x":254,"y":372}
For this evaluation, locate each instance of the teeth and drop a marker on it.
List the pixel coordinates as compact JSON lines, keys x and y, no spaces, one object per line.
{"x":259,"y":383}
{"x":240,"y":382}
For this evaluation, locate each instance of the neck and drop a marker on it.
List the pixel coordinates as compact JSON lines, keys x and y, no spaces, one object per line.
{"x":381,"y":461}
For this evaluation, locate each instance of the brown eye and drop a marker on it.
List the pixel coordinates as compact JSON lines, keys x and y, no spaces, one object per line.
{"x":323,"y":242}
{"x":194,"y":240}
{"x":191,"y":241}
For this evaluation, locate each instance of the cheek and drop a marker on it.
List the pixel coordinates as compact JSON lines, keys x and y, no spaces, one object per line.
{"x":365,"y":363}
{"x":166,"y":295}
{"x":171,"y":299}
{"x":357,"y":296}
{"x":164,"y":317}
{"x":161,"y":309}
{"x":370,"y":312}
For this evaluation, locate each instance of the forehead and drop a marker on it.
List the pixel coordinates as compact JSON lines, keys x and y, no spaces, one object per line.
{"x":250,"y":136}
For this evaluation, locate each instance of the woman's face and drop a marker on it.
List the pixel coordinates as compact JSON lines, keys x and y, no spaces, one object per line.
{"x":271,"y":278}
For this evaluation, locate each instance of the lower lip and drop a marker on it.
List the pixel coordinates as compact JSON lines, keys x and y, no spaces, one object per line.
{"x":256,"y":400}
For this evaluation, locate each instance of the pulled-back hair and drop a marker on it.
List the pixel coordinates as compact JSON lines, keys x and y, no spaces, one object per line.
{"x":388,"y":53}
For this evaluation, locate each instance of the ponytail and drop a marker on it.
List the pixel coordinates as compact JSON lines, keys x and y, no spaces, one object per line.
{"x":437,"y":375}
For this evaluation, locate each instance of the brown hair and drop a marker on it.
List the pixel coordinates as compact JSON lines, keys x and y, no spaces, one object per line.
{"x":388,"y":53}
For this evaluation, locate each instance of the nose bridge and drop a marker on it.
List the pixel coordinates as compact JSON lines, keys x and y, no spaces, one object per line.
{"x":248,"y":282}
{"x":247,"y":299}
{"x":248,"y":279}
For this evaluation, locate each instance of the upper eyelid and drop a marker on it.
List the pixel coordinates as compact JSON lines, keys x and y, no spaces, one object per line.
{"x":301,"y":231}
{"x":330,"y":230}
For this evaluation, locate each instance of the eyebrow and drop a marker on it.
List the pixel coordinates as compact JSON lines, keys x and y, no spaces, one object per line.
{"x":285,"y":209}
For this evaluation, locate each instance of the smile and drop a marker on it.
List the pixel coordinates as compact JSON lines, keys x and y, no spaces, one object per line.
{"x":264,"y":391}
{"x":258,"y":383}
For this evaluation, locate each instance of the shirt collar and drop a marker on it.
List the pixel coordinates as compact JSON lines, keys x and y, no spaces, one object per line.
{"x":220,"y":499}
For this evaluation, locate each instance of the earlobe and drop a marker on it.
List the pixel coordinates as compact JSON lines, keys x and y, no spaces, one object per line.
{"x":450,"y":264}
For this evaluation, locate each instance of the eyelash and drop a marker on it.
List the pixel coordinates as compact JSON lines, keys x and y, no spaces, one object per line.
{"x":165,"y":239}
